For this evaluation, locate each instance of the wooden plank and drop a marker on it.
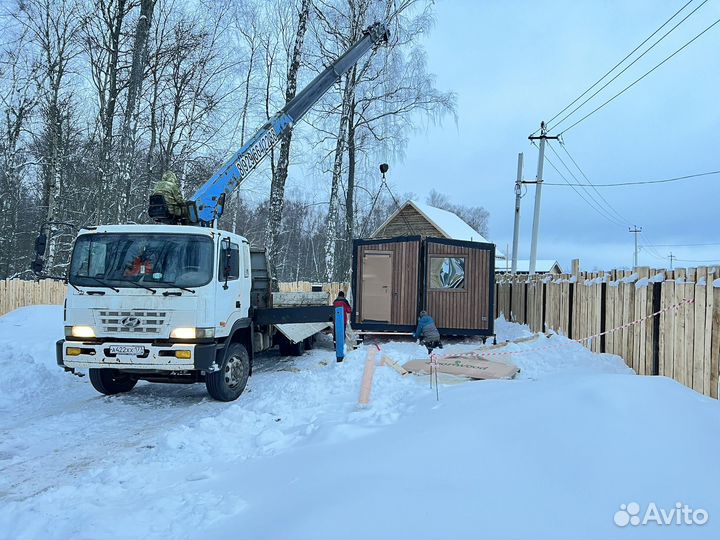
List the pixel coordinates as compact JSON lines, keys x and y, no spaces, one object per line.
{"x":698,"y":338}
{"x":670,"y":329}
{"x":689,"y":333}
{"x":610,"y":310}
{"x":680,"y":341}
{"x":707,"y":340}
{"x":630,"y":330}
{"x":662,"y":337}
{"x":715,"y":345}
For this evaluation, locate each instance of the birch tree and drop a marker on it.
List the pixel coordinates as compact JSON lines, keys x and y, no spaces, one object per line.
{"x":18,"y":99}
{"x":103,"y":41}
{"x":130,"y":117}
{"x":277,"y":189}
{"x":52,"y":26}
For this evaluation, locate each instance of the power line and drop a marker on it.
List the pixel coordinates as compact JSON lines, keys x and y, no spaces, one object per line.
{"x":642,"y":182}
{"x":698,"y":260}
{"x":610,"y":206}
{"x":639,"y":79}
{"x":619,"y":63}
{"x":688,"y":245}
{"x":651,"y":247}
{"x":633,"y":62}
{"x":595,"y":204}
{"x":599,"y":211}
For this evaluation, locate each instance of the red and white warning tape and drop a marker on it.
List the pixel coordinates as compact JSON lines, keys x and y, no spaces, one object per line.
{"x":571,"y":343}
{"x":627,"y":325}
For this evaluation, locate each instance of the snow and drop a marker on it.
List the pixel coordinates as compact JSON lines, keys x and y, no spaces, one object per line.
{"x":716,"y":282}
{"x":450,"y":224}
{"x":658,"y":278}
{"x":552,"y":454}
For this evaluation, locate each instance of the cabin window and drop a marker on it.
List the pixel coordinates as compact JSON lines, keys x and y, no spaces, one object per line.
{"x":447,"y":272}
{"x":231,"y":263}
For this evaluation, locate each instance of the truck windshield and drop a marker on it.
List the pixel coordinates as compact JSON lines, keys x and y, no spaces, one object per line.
{"x":152,"y":260}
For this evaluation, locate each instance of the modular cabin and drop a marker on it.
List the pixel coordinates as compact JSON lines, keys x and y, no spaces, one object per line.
{"x":453,"y":279}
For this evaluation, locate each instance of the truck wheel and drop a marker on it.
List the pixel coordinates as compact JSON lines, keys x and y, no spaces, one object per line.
{"x":229,"y":381}
{"x":111,"y":381}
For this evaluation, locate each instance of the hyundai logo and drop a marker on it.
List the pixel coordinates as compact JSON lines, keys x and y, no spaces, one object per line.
{"x":130,"y":322}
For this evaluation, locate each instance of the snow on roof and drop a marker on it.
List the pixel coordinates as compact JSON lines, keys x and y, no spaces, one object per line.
{"x":542,"y":266}
{"x":451,"y":225}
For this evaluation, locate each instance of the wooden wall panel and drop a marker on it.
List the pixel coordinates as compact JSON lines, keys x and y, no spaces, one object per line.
{"x":465,"y":309}
{"x":405,"y":273}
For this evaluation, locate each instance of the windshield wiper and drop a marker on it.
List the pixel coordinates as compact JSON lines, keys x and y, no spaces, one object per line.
{"x":137,"y":284}
{"x":166,"y":293}
{"x":100,"y":281}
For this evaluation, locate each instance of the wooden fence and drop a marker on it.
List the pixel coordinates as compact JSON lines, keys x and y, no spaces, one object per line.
{"x":307,"y":286}
{"x":16,"y":293}
{"x":682,"y":341}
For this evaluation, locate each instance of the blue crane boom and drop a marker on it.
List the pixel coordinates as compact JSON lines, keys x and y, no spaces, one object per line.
{"x":208,"y":202}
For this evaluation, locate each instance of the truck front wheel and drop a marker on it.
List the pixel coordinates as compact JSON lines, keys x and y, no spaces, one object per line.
{"x":229,"y":381}
{"x":111,"y":381}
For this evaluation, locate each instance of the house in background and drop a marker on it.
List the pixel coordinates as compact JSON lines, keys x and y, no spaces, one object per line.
{"x":417,"y":219}
{"x":542,"y":266}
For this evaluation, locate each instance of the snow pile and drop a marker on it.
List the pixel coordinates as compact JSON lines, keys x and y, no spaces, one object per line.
{"x":551,"y":454}
{"x":716,"y":283}
{"x":658,"y":278}
{"x":596,"y":280}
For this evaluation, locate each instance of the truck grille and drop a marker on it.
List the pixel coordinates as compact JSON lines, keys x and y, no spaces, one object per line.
{"x":135,"y":322}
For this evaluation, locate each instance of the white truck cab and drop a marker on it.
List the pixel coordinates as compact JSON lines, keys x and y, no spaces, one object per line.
{"x":173,"y":303}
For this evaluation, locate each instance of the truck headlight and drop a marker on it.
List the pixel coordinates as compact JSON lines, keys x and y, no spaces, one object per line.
{"x":192,"y":333}
{"x":79,"y":331}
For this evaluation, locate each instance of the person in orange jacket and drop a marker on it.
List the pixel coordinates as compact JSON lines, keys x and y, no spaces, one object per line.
{"x":141,"y":264}
{"x":342,"y":302}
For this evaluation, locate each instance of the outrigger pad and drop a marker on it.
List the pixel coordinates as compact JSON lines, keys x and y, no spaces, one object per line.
{"x":473,"y":368}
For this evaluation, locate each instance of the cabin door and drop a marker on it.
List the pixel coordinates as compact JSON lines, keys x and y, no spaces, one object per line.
{"x":376,"y":286}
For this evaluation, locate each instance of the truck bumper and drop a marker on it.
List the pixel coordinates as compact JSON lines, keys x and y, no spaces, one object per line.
{"x":153,"y":357}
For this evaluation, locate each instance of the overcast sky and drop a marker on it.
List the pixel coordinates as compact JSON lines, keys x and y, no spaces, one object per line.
{"x":513,"y":64}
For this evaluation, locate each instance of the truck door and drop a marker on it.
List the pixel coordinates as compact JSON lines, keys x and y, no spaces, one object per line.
{"x":229,"y":304}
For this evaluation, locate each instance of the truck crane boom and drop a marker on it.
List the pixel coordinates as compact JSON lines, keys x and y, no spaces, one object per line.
{"x":207,"y":204}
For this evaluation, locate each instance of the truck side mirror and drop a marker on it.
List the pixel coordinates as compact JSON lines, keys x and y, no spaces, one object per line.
{"x":225,"y":244}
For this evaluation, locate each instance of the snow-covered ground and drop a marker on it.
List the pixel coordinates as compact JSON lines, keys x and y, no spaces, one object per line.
{"x":554,"y":453}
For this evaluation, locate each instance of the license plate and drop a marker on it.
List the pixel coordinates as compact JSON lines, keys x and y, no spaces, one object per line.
{"x":127,"y":349}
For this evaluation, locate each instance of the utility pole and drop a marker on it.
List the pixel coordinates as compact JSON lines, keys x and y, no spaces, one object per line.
{"x":518,"y":195}
{"x":635,"y":231}
{"x":538,"y":192}
{"x":671,"y":260}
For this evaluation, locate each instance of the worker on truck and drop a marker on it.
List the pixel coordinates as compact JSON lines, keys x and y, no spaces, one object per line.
{"x":427,"y":332}
{"x":342,"y":302}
